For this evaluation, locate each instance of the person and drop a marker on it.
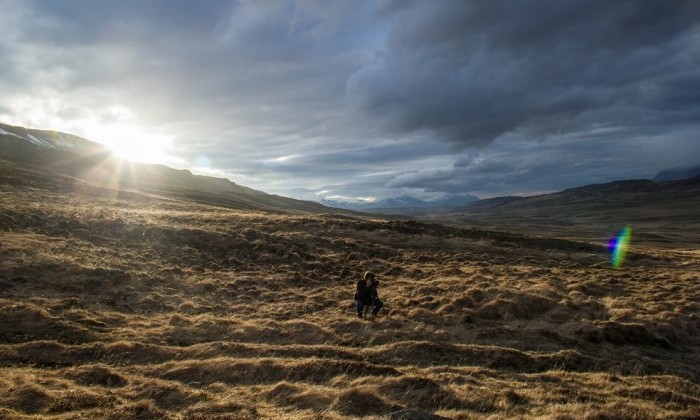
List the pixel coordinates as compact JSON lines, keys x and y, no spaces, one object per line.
{"x":366,"y":294}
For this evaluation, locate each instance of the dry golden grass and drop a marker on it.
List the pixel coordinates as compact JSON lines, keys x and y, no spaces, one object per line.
{"x":123,"y":305}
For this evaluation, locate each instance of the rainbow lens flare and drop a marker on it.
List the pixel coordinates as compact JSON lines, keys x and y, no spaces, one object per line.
{"x":618,"y":247}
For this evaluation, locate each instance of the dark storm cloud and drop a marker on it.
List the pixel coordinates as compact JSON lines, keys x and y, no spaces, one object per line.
{"x":516,"y":165}
{"x":372,"y":158}
{"x":470,"y":72}
{"x":200,"y":39}
{"x":372,"y":98}
{"x":267,"y":69}
{"x":70,"y":22}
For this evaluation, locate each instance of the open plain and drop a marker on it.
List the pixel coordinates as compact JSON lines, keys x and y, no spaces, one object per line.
{"x":122,"y":304}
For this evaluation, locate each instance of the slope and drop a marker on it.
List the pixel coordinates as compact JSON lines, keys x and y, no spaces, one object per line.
{"x":660,"y":212}
{"x":678,"y":173}
{"x":77,"y":157}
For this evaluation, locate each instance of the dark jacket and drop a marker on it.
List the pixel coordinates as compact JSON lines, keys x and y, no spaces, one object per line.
{"x":365,"y":294}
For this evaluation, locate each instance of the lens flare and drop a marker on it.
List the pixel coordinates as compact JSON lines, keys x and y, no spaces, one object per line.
{"x":618,"y":247}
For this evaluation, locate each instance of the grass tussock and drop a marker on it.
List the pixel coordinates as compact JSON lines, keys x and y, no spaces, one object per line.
{"x":98,"y":375}
{"x":359,"y":403}
{"x":127,"y":305}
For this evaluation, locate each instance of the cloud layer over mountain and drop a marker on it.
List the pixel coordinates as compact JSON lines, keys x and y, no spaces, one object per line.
{"x":317,"y":99}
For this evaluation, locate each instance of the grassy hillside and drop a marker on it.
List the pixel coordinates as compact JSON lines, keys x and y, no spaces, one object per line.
{"x":662,"y":213}
{"x":97,"y":165}
{"x":126,"y":304}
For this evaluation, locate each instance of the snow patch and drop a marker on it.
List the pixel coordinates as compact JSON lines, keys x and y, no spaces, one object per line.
{"x":53,"y":139}
{"x":10,"y":134}
{"x":40,"y":142}
{"x":67,"y":142}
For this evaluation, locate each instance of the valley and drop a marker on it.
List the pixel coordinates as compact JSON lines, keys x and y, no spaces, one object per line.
{"x":119,"y":303}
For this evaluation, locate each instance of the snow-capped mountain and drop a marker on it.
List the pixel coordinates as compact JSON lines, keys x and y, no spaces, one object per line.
{"x":404,"y":202}
{"x":51,"y":139}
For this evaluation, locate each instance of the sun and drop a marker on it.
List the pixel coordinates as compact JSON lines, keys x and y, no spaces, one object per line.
{"x":133,"y":143}
{"x":136,"y":145}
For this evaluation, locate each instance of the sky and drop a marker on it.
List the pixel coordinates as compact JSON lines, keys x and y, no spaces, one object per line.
{"x":365,"y":100}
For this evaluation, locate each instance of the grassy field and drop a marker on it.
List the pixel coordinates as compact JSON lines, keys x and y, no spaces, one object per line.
{"x":121,"y":305}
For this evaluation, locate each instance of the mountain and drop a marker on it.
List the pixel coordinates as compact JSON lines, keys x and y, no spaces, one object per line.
{"x":404,"y":205}
{"x":374,"y":205}
{"x":51,"y":139}
{"x":678,"y":173}
{"x":454,"y":200}
{"x":661,"y":211}
{"x":70,"y":155}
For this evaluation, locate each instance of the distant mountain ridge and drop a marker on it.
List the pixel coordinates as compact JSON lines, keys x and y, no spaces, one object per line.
{"x":71,"y":155}
{"x":678,"y":173}
{"x":624,"y":193}
{"x":647,"y":206}
{"x":404,"y":203}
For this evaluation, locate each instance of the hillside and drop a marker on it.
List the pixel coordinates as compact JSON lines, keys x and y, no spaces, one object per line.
{"x":66,"y":154}
{"x":659,"y":212}
{"x":677,"y":174}
{"x":122,"y":304}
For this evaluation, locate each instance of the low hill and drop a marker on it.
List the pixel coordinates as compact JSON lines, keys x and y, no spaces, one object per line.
{"x":663,"y":212}
{"x":676,"y":174}
{"x":67,"y":154}
{"x":122,"y":304}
